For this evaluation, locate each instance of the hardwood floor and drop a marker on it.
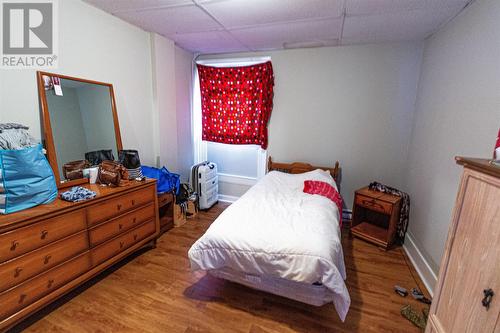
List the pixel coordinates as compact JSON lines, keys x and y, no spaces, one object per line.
{"x":156,"y":292}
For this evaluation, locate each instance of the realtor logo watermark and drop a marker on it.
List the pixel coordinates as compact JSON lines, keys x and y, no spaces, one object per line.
{"x":29,"y":34}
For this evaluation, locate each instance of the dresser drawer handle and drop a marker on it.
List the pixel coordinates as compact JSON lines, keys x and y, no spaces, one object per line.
{"x":133,"y":202}
{"x":17,"y":271}
{"x":45,"y":233}
{"x":22,"y":297}
{"x":488,"y":296}
{"x":120,"y":226}
{"x":121,"y":245}
{"x":46,"y":259}
{"x":14,"y":245}
{"x":50,"y":283}
{"x":119,"y":207}
{"x":134,"y":220}
{"x":135,"y":237}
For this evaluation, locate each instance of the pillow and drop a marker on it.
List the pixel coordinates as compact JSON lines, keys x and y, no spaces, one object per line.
{"x":326,"y":190}
{"x":317,"y":174}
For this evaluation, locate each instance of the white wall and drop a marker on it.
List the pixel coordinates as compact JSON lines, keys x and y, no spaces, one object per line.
{"x":164,"y":99}
{"x":183,"y":79}
{"x":172,"y":76}
{"x":457,"y":113}
{"x":352,"y":103}
{"x":98,"y":46}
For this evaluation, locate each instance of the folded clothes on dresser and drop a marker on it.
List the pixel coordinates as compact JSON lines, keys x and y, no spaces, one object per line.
{"x":77,"y":194}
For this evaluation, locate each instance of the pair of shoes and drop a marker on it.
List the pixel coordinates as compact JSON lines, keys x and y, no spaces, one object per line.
{"x":419,"y":296}
{"x":400,"y":291}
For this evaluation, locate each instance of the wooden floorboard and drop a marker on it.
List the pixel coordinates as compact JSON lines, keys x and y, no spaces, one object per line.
{"x":155,"y":291}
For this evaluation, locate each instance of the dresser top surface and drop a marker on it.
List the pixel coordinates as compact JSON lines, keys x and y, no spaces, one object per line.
{"x":480,"y":164}
{"x":60,"y":205}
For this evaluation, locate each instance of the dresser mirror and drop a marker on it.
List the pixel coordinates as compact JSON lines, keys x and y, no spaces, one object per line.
{"x":78,"y":117}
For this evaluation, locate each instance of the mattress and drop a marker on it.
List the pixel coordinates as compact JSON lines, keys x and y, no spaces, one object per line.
{"x":277,"y":231}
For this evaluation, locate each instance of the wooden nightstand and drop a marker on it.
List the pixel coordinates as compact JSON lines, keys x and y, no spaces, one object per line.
{"x":375,"y":216}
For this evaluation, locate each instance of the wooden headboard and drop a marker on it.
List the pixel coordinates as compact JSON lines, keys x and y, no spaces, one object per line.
{"x":300,"y":167}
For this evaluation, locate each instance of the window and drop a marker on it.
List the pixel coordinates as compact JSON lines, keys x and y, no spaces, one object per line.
{"x":241,"y":164}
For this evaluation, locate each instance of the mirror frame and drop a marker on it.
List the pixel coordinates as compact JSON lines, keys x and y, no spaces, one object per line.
{"x":48,"y":139}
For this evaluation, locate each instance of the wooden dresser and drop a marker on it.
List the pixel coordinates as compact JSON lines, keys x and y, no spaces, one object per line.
{"x":48,"y":250}
{"x":467,"y":296}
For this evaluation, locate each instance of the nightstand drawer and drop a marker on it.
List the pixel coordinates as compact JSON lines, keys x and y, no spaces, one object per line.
{"x":373,"y":204}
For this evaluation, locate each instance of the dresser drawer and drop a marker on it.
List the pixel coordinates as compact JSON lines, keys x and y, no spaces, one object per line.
{"x":20,"y":241}
{"x":110,"y":229}
{"x":114,"y":207}
{"x":117,"y":245}
{"x":21,"y":296}
{"x":19,"y":269}
{"x":373,"y":204}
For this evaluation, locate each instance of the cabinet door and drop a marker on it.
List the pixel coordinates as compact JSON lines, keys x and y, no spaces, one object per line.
{"x":473,"y":262}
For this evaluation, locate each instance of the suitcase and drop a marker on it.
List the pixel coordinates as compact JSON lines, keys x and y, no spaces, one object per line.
{"x":205,"y":182}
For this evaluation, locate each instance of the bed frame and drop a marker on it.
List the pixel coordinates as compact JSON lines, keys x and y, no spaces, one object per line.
{"x":301,"y":167}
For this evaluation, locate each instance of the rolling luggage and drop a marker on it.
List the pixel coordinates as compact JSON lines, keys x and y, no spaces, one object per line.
{"x":205,"y":182}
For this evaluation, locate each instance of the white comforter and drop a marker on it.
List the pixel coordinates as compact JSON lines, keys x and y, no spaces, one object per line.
{"x":277,"y":230}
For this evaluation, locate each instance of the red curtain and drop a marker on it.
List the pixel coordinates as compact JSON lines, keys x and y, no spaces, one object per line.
{"x":236,"y":103}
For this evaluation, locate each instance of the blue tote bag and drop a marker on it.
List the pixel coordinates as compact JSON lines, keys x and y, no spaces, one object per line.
{"x":166,"y":181}
{"x":26,"y":179}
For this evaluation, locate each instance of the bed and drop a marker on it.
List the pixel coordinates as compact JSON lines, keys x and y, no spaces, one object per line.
{"x":280,"y":240}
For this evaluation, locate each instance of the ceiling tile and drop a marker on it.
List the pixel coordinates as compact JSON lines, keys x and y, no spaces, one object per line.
{"x":370,"y":7}
{"x":275,"y":35}
{"x":113,"y":6}
{"x":409,"y":25}
{"x":172,"y":20}
{"x":208,"y":42}
{"x":244,"y":13}
{"x":269,"y":24}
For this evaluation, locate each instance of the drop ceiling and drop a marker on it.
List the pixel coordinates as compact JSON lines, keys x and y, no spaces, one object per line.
{"x":220,"y":26}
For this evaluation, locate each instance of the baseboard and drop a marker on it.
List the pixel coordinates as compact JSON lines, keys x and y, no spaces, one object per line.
{"x":227,"y":198}
{"x":424,"y":270}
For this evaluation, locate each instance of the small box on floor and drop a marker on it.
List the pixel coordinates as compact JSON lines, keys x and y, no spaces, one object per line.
{"x":179,"y":215}
{"x":192,"y":206}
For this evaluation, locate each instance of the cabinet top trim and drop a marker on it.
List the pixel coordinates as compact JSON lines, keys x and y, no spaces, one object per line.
{"x":479,"y":164}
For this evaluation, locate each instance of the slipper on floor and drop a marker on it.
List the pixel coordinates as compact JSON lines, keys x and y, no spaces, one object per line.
{"x":413,"y":316}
